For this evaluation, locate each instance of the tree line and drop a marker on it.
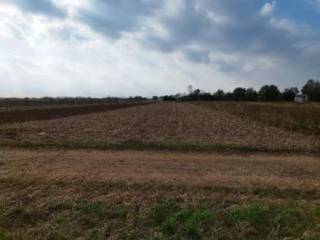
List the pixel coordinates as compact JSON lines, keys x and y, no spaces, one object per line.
{"x":266,"y":93}
{"x":57,"y":101}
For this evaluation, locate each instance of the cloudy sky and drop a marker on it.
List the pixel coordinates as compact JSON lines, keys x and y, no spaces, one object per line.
{"x":153,"y":47}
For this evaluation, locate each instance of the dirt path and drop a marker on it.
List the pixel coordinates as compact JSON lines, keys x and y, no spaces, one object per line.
{"x":294,"y":172}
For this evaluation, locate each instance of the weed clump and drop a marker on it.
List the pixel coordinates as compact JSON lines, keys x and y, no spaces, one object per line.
{"x":169,"y":219}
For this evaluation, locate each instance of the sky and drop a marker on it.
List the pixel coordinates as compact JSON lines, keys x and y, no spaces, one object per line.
{"x":123,"y":48}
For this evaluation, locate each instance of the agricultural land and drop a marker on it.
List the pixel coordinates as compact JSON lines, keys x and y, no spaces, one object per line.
{"x":165,"y":170}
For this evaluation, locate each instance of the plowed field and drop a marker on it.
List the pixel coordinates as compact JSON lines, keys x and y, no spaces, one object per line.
{"x":165,"y":122}
{"x":90,"y":194}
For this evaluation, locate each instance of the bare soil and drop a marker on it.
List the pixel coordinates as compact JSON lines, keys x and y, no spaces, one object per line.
{"x":164,"y":122}
{"x":26,"y":115}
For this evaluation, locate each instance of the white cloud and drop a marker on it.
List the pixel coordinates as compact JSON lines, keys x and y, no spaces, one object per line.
{"x":268,"y":8}
{"x":212,"y":44}
{"x":41,"y":64}
{"x":284,"y":24}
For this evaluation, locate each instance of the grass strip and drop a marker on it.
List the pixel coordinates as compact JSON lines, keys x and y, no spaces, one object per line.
{"x":157,"y":146}
{"x":151,"y":187}
{"x":166,"y":219}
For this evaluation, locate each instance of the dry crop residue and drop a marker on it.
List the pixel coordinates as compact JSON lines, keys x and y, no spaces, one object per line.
{"x":193,"y":169}
{"x":51,"y":194}
{"x":164,"y":122}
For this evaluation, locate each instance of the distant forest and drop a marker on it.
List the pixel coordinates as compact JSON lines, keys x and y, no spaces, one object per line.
{"x":60,"y":101}
{"x":266,"y":93}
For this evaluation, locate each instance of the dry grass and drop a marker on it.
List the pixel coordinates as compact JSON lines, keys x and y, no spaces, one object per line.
{"x":71,"y":194}
{"x":143,"y":178}
{"x":303,"y":118}
{"x":296,"y":172}
{"x":162,"y":123}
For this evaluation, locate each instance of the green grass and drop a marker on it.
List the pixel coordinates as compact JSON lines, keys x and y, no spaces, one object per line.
{"x":169,"y":219}
{"x":139,"y":213}
{"x":169,"y":146}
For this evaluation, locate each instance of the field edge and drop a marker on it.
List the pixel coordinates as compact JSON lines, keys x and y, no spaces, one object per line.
{"x":156,"y":146}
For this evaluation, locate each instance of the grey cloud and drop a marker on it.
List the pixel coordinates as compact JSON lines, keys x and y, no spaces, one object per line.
{"x":239,"y":30}
{"x":245,"y":32}
{"x":242,"y":31}
{"x":227,"y":66}
{"x":113,"y":17}
{"x":189,"y":25}
{"x":197,"y":55}
{"x":68,"y":34}
{"x":245,"y":29}
{"x":44,"y":7}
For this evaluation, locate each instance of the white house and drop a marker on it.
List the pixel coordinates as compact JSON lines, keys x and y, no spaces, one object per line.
{"x":301,"y":98}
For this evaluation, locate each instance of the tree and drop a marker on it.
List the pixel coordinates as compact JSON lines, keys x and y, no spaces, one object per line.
{"x":155,"y":98}
{"x":289,"y":94}
{"x":219,"y":95}
{"x":312,"y":89}
{"x":252,"y":94}
{"x":269,"y":93}
{"x":195,"y":95}
{"x":196,"y":92}
{"x":239,"y":94}
{"x":205,"y":96}
{"x":169,"y":98}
